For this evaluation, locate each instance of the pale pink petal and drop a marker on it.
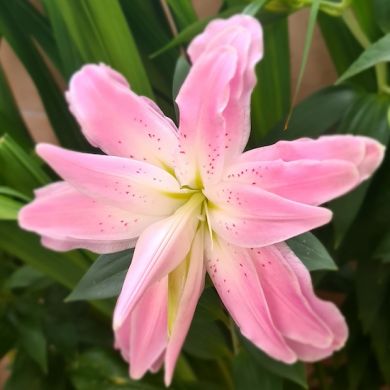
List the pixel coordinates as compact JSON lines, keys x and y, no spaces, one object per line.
{"x":235,"y":278}
{"x":148,"y":337}
{"x":365,"y":153}
{"x":122,"y":339}
{"x":98,"y":246}
{"x":307,"y":181}
{"x":159,"y":250}
{"x":202,"y":100}
{"x":193,"y":287}
{"x":329,"y":313}
{"x":157,"y":365}
{"x":244,"y":34}
{"x":116,"y":120}
{"x":373,"y":157}
{"x":61,"y":213}
{"x":291,"y":312}
{"x":308,"y":353}
{"x":132,"y":185}
{"x":248,"y":216}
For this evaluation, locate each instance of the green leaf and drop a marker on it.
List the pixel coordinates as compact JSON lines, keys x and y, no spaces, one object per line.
{"x":105,"y":277}
{"x":382,"y":252}
{"x":63,"y":123}
{"x":309,"y":249}
{"x":181,"y":71}
{"x":314,"y":115}
{"x":293,"y":372}
{"x":344,"y":49}
{"x":206,"y":339}
{"x":271,"y":96}
{"x":10,"y":192}
{"x":254,"y":7}
{"x":194,"y":29}
{"x":211,"y":305}
{"x":36,"y":25}
{"x":65,"y":268}
{"x":377,"y":52}
{"x":315,"y":6}
{"x":7,"y":336}
{"x":69,"y":54}
{"x":152,"y":32}
{"x":9,"y":208}
{"x":24,"y":276}
{"x":184,"y":12}
{"x":380,"y":336}
{"x":25,"y":374}
{"x":18,"y":169}
{"x":382,"y":14}
{"x":248,"y":375}
{"x":101,"y":369}
{"x":364,"y":12}
{"x":372,"y":281}
{"x":103,"y":23}
{"x":33,"y":341}
{"x":368,"y":117}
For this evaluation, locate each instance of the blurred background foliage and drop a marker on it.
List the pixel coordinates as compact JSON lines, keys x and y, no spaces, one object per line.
{"x":49,"y":343}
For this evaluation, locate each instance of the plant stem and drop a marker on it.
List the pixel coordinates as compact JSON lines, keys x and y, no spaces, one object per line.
{"x":380,"y":68}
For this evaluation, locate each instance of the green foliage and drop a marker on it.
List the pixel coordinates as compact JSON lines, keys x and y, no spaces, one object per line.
{"x":374,"y":54}
{"x":55,"y":343}
{"x":105,"y":277}
{"x":312,"y":253}
{"x":271,"y":96}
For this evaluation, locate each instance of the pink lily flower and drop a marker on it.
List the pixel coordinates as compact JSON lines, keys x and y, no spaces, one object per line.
{"x":191,"y":201}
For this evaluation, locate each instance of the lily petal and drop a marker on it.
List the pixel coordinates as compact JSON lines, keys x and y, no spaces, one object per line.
{"x":122,"y":339}
{"x":235,"y":278}
{"x":244,"y":33}
{"x":160,"y":249}
{"x":202,"y":100}
{"x":132,"y":185}
{"x":327,"y":311}
{"x":193,"y":275}
{"x":61,"y":213}
{"x":248,"y":216}
{"x":365,"y":153}
{"x":116,"y":120}
{"x":307,"y":181}
{"x":97,"y":246}
{"x":289,"y":308}
{"x":148,"y":336}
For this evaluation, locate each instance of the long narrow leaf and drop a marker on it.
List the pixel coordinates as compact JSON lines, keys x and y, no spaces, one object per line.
{"x":18,"y":170}
{"x":374,"y":54}
{"x":101,"y":34}
{"x":35,"y":24}
{"x":184,"y":12}
{"x":62,"y":121}
{"x":271,"y":97}
{"x":308,"y":40}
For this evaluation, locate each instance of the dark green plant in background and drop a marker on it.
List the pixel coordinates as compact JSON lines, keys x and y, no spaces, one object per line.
{"x":53,"y":342}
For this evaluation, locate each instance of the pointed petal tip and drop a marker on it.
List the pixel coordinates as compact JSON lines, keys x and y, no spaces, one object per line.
{"x":135,"y":374}
{"x":43,"y":149}
{"x":167,"y":378}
